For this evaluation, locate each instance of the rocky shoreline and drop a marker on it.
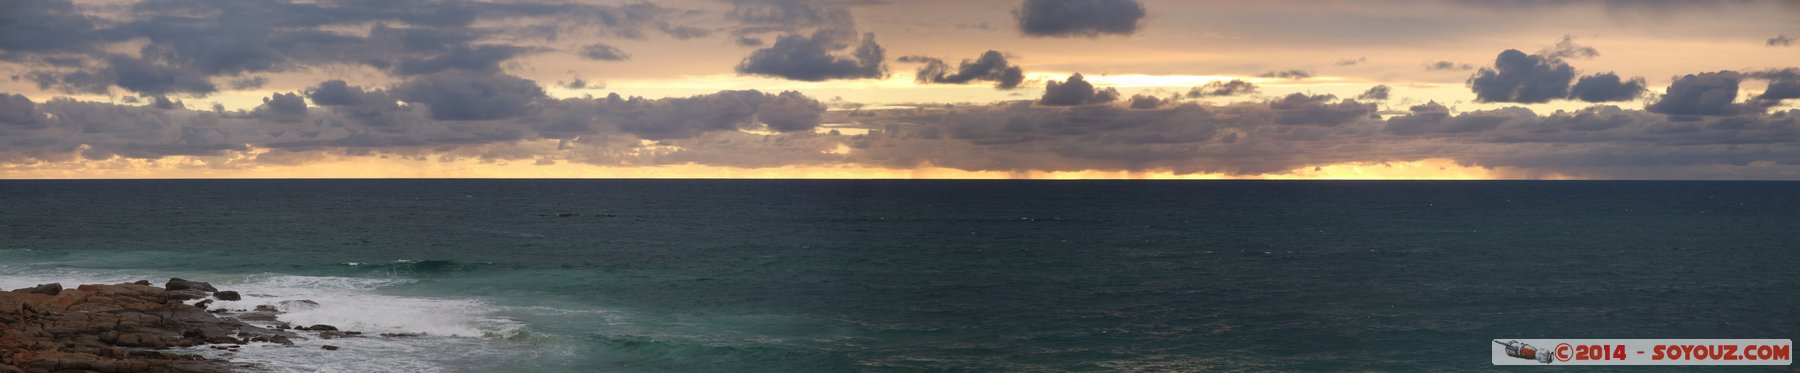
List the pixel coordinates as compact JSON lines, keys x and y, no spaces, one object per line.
{"x":133,"y":327}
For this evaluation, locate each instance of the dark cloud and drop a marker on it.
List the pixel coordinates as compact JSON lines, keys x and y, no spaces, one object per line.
{"x":1605,"y":87}
{"x":688,"y":117}
{"x":810,"y":58}
{"x":44,"y":26}
{"x":17,"y":110}
{"x":1351,"y":61}
{"x":1286,"y":74}
{"x":335,"y":93}
{"x":791,"y":111}
{"x":1432,"y":118}
{"x":1079,"y":18}
{"x":1146,"y":102}
{"x":991,"y":66}
{"x":1780,"y":41}
{"x":148,"y":77}
{"x":470,"y":96}
{"x":1376,"y":93}
{"x":1713,"y":93}
{"x":1076,"y":91}
{"x":1447,"y":65}
{"x":1522,"y":78}
{"x":1217,"y":88}
{"x":603,"y":52}
{"x":1781,"y":90}
{"x":164,"y":103}
{"x":283,"y":107}
{"x":1783,"y":84}
{"x":747,"y":41}
{"x":1318,"y":110}
{"x":186,"y":43}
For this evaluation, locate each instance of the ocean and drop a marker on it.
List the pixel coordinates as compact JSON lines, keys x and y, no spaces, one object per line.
{"x":901,"y":276}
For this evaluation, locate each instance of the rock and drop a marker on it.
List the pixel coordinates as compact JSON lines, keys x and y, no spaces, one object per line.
{"x":185,"y":295}
{"x":266,"y":308}
{"x":281,"y":340}
{"x":203,"y":304}
{"x":228,"y":295}
{"x":255,"y":316}
{"x":142,"y":282}
{"x":296,"y":305}
{"x":402,"y":335}
{"x":45,"y":289}
{"x":180,"y":284}
{"x":318,"y":327}
{"x":329,"y":347}
{"x":112,"y":328}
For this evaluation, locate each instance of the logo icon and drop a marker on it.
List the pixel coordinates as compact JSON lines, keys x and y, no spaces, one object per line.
{"x":1528,"y":352}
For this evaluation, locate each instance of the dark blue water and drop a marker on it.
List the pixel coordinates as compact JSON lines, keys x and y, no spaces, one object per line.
{"x":714,"y":275}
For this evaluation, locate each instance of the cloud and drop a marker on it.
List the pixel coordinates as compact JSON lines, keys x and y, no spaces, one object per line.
{"x":1376,"y":93}
{"x":1781,"y":90}
{"x":1145,"y":102}
{"x":1286,"y":74}
{"x":282,"y":107}
{"x":810,"y":59}
{"x":1318,"y":110}
{"x":148,"y":77}
{"x":727,"y":128}
{"x":248,"y":83}
{"x":1713,"y":93}
{"x":164,"y":103}
{"x":678,"y":118}
{"x":1566,"y":48}
{"x":1222,"y":88}
{"x":991,"y":66}
{"x":1432,"y":118}
{"x":1780,"y":41}
{"x":1447,"y":65}
{"x":603,"y":52}
{"x":1079,"y":18}
{"x":17,"y":110}
{"x":482,"y":59}
{"x":1351,"y":61}
{"x":45,"y":26}
{"x":791,"y":15}
{"x":578,"y":83}
{"x":336,"y":93}
{"x":1605,"y":87}
{"x":471,"y":96}
{"x":182,"y":45}
{"x":791,"y":111}
{"x":1518,"y":77}
{"x":1783,"y":84}
{"x":1076,"y":91}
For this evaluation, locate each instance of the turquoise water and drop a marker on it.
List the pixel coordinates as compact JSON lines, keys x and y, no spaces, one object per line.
{"x":710,"y":275}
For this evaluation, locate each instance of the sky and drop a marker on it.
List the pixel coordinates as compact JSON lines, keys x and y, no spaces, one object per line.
{"x":1051,"y":89}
